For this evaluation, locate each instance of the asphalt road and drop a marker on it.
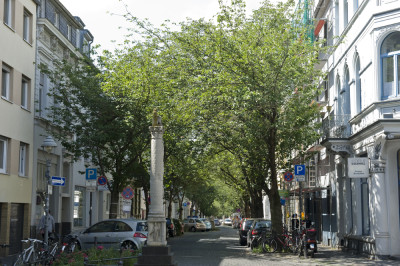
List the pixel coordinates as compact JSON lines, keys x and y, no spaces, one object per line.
{"x":221,"y":248}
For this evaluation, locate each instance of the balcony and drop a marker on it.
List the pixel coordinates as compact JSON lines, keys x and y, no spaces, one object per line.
{"x":336,"y":127}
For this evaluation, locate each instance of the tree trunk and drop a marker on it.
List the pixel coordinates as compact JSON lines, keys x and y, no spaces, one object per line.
{"x":256,"y":205}
{"x":114,"y":204}
{"x":169,"y":208}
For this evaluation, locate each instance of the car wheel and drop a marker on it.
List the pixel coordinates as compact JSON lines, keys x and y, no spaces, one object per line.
{"x":129,"y":245}
{"x":193,"y":229}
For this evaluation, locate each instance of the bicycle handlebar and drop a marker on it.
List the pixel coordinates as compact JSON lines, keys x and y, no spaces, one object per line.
{"x":31,"y":240}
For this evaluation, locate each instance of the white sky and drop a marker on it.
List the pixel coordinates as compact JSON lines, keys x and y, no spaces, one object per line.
{"x":105,"y":27}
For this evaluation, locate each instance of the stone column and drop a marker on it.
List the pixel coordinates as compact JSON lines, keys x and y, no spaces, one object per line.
{"x":157,"y":252}
{"x":156,"y":218}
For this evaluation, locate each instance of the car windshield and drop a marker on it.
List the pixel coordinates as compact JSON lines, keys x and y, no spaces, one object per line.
{"x":263,"y":224}
{"x":198,"y":221}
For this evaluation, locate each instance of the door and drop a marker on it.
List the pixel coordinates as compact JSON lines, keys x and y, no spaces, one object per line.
{"x":16,"y":227}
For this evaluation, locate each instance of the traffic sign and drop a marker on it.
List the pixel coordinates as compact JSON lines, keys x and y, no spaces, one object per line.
{"x":288,"y":176}
{"x":127,"y":193}
{"x":58,"y":181}
{"x":91,"y":173}
{"x":102,"y":180}
{"x":300,"y":172}
{"x":299,"y":169}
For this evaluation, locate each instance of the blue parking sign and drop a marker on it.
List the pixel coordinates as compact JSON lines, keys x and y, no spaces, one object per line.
{"x":299,"y":169}
{"x":91,"y":173}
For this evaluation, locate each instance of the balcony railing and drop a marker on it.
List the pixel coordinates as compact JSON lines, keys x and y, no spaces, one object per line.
{"x":336,"y":126}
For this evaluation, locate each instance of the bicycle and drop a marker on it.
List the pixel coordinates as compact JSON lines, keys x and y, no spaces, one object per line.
{"x":270,"y":244}
{"x":30,"y":255}
{"x":70,"y":243}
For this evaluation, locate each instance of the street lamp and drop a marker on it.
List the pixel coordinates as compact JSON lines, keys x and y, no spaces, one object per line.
{"x":48,"y":145}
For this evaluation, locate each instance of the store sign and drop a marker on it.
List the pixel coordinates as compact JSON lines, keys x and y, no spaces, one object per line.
{"x":358,"y":167}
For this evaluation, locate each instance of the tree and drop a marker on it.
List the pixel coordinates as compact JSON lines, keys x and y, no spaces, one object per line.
{"x":111,"y":132}
{"x":254,"y":82}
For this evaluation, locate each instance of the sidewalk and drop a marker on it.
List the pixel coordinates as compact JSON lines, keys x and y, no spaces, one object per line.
{"x":330,"y":256}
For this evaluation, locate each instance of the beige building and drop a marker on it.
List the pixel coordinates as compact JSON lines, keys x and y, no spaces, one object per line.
{"x":17,"y":58}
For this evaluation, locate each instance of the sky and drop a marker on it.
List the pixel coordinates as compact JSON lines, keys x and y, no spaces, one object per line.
{"x":96,"y":14}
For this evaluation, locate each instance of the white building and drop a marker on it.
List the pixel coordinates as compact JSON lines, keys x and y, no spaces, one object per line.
{"x":360,"y":119}
{"x":60,"y":34}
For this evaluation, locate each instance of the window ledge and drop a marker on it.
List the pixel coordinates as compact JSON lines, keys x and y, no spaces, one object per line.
{"x":25,"y":109}
{"x":8,"y":26}
{"x":7,"y":100}
{"x":28,"y":42}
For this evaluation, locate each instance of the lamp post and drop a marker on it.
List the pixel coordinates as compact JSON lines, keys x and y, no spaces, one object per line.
{"x":48,"y":145}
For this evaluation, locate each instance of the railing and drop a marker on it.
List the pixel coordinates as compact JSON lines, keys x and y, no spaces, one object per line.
{"x":336,"y":126}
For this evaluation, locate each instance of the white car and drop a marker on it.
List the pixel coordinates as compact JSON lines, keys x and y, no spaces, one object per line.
{"x":228,"y":221}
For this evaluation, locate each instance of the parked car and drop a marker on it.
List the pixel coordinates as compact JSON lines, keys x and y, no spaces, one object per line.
{"x":258,"y":227}
{"x":244,"y":229}
{"x":171,"y":232}
{"x":217,"y":222}
{"x":115,"y":233}
{"x":228,"y":221}
{"x":207,"y":223}
{"x":194,"y":224}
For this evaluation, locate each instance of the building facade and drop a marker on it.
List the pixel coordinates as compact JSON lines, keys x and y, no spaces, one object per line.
{"x":353,"y":186}
{"x":59,"y":36}
{"x":17,"y":58}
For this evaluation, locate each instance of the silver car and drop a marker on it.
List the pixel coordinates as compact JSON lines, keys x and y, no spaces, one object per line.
{"x":194,"y":224}
{"x":115,"y":233}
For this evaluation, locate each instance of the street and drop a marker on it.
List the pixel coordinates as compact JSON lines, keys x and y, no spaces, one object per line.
{"x":222,"y":248}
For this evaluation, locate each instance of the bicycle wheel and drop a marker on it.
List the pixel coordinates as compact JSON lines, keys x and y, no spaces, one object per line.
{"x":290,"y":245}
{"x":270,"y":245}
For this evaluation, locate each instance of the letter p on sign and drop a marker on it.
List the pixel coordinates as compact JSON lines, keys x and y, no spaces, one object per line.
{"x":299,"y":169}
{"x":91,"y":173}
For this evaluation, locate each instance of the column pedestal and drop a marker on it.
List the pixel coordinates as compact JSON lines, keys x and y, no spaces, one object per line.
{"x":155,"y":255}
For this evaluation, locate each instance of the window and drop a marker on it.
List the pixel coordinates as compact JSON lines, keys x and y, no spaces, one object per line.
{"x":9,"y":12}
{"x":69,"y":32}
{"x":56,"y":19}
{"x":355,"y":6}
{"x":25,"y":92}
{"x":345,"y":13}
{"x":27,"y":34}
{"x":338,"y":101}
{"x":358,"y":85}
{"x":3,"y":155}
{"x":365,"y":206}
{"x":312,"y":173}
{"x":337,"y":18}
{"x":390,"y":52}
{"x":346,"y":92}
{"x":79,"y":204}
{"x":42,"y":93}
{"x":22,"y":159}
{"x":5,"y":82}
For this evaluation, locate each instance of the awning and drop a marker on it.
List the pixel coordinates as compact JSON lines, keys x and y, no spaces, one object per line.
{"x":319,"y":26}
{"x":315,"y":148}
